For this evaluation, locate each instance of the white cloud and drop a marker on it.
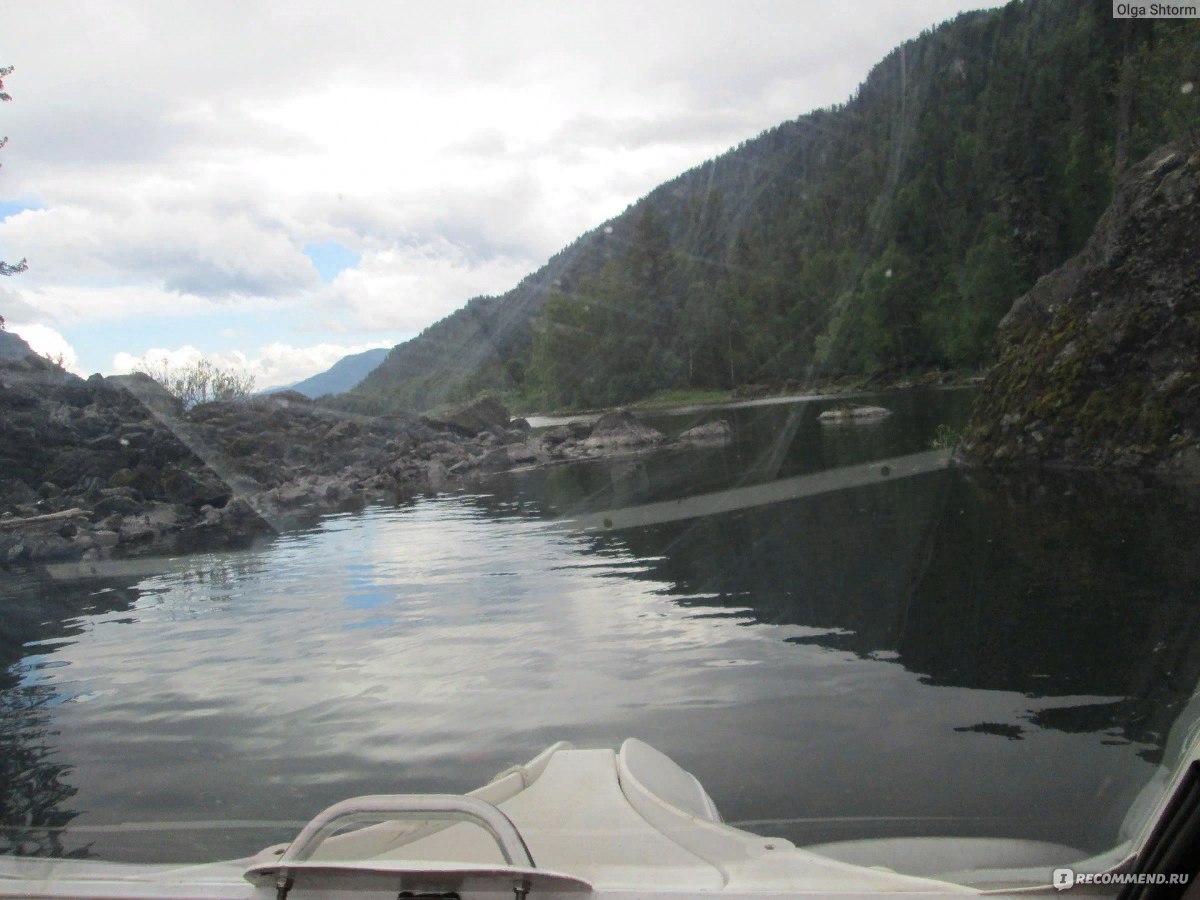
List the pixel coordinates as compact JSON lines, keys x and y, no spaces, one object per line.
{"x":403,"y":289}
{"x":152,"y":236}
{"x":272,"y":364}
{"x":77,"y":304}
{"x":181,"y":357}
{"x":45,"y":340}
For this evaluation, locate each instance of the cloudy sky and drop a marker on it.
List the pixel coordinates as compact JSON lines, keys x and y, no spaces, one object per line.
{"x":279,"y":184}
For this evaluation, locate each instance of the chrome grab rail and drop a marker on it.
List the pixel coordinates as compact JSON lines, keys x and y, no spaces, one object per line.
{"x":433,"y":806}
{"x":480,"y":812}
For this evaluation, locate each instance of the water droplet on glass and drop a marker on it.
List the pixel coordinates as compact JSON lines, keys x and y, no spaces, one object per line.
{"x":1187,"y":87}
{"x":608,"y":229}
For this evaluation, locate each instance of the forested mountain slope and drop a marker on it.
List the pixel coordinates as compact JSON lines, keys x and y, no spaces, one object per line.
{"x":887,"y":234}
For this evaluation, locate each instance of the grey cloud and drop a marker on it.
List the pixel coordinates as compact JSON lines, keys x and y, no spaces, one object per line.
{"x":120,"y":133}
{"x":179,"y":244}
{"x":214,"y":281}
{"x":705,"y":126}
{"x":489,"y":143}
{"x":221,"y":267}
{"x":13,"y":308}
{"x":501,"y":220}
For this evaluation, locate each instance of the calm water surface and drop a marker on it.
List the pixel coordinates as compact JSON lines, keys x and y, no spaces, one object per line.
{"x":943,"y":654}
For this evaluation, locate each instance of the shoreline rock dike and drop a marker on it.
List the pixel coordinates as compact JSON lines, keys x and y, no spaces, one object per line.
{"x":1099,"y":364}
{"x":115,"y":467}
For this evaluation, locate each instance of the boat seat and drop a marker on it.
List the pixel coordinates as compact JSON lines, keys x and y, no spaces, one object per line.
{"x":669,"y":782}
{"x":952,"y":858}
{"x":992,"y":861}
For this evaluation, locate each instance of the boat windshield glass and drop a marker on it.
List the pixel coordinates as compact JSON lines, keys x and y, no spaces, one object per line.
{"x":388,"y":393}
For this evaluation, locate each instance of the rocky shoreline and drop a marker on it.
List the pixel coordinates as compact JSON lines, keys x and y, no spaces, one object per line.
{"x":116,"y":467}
{"x":788,"y":390}
{"x":855,"y":384}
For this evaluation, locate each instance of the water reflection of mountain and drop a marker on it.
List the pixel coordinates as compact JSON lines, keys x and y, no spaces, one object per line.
{"x":1066,"y":585}
{"x":35,"y":788}
{"x":1056,"y":586}
{"x":41,"y":614}
{"x":1051,"y":586}
{"x":842,"y":562}
{"x":35,"y":792}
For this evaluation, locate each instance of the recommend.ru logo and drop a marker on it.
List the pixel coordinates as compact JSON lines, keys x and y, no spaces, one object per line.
{"x":1065,"y":878}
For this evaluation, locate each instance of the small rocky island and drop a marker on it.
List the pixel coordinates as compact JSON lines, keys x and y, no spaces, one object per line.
{"x":1099,"y":364}
{"x":118,"y":467}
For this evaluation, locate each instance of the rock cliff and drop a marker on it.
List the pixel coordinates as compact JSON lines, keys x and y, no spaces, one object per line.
{"x":13,"y":346}
{"x":1099,"y":364}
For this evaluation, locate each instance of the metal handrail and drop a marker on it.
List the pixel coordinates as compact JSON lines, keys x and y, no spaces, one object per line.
{"x":430,"y":806}
{"x":490,"y":818}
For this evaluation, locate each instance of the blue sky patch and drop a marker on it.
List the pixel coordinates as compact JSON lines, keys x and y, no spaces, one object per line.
{"x":12,"y":207}
{"x":330,"y":257}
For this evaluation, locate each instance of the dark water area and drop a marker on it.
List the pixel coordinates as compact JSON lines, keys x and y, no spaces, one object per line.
{"x":953,"y":653}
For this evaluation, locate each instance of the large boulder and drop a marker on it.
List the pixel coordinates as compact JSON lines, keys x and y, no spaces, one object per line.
{"x":559,"y":434}
{"x":116,"y":501}
{"x":287,"y":398}
{"x":853,"y":414}
{"x":470,"y":419}
{"x":718,"y":432}
{"x":72,"y":465}
{"x":193,"y":487}
{"x":1099,"y":364}
{"x":620,"y":430}
{"x":149,"y":393}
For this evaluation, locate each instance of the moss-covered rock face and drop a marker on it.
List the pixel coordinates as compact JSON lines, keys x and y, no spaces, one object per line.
{"x":1099,"y":364}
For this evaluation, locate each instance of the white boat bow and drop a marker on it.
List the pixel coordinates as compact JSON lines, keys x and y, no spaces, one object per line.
{"x":580,"y":823}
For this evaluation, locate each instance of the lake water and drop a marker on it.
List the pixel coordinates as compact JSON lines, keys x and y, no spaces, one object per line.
{"x":946,"y":654}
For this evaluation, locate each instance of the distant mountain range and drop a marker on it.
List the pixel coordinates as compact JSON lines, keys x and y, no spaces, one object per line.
{"x":342,"y":376}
